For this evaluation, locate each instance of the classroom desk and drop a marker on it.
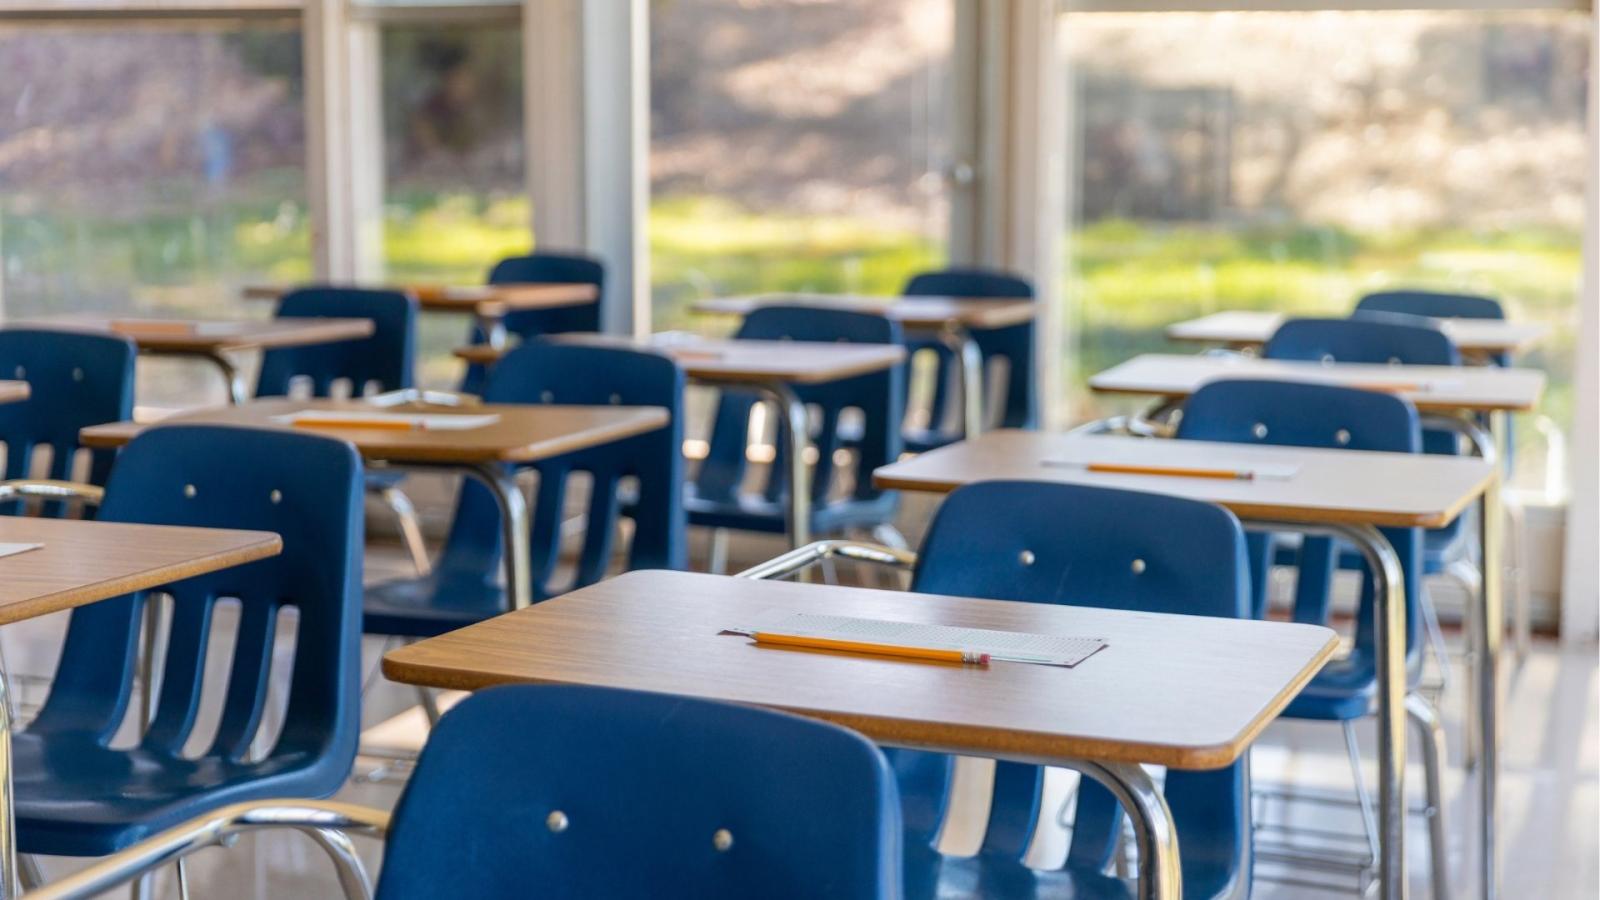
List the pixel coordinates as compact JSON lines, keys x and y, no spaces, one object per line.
{"x":14,"y":391}
{"x":523,"y":434}
{"x":766,"y":367}
{"x":951,"y":318}
{"x":1457,"y":396}
{"x":84,"y":562}
{"x":488,"y":304}
{"x":1250,"y":329}
{"x":1179,"y":691}
{"x":1343,"y":493}
{"x":213,"y":340}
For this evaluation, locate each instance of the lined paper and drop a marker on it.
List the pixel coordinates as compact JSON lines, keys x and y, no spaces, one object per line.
{"x":1004,"y":646}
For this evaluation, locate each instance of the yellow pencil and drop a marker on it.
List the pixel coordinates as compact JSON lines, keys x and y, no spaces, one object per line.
{"x":932,"y":654}
{"x":1176,"y":471}
{"x":379,"y":424}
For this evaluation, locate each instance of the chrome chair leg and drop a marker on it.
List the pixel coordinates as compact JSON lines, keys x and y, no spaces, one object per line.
{"x":888,"y":535}
{"x":28,"y":871}
{"x":182,"y":871}
{"x":410,"y":528}
{"x":1521,"y":594}
{"x":1430,"y":735}
{"x":1369,"y":822}
{"x":718,"y":563}
{"x":430,"y":705}
{"x":1436,"y":645}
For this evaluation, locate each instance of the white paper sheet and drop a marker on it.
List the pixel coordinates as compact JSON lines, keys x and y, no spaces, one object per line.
{"x":418,"y":421}
{"x":1249,"y":470}
{"x":14,"y":549}
{"x":1004,"y":646}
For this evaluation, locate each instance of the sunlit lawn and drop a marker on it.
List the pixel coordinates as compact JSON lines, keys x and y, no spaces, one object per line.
{"x":1127,"y":280}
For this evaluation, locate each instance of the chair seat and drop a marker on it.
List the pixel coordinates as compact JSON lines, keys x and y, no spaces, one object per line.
{"x":432,"y":605}
{"x":77,"y":797}
{"x":753,"y":513}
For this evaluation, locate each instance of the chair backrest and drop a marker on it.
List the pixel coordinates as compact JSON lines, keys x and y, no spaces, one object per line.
{"x":1435,"y":304}
{"x":1301,"y":414}
{"x":1362,"y":341}
{"x":543,"y":373}
{"x":578,"y":792}
{"x":306,"y":488}
{"x":1379,"y":339}
{"x":552,"y":268}
{"x":1090,"y":546}
{"x":75,"y":380}
{"x":384,"y":359}
{"x":1014,"y":343}
{"x":879,"y":396}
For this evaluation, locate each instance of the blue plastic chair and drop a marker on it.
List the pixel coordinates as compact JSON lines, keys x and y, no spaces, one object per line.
{"x":641,"y":785}
{"x":384,"y":359}
{"x":542,"y":268}
{"x":464,"y":586}
{"x":1443,"y":306}
{"x":1013,"y":343}
{"x":1084,"y":543}
{"x":1373,"y":340}
{"x":717,"y":498}
{"x":1300,"y":414}
{"x":1434,"y":304}
{"x":75,"y":380}
{"x":76,"y":795}
{"x":578,"y":792}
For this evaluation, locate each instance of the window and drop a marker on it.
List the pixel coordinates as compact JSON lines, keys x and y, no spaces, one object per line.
{"x":1322,"y":156}
{"x":165,"y":173}
{"x":795,"y":145}
{"x":454,"y":191}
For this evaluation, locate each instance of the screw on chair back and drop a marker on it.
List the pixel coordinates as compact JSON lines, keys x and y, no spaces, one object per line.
{"x":383,"y":359}
{"x":578,"y":792}
{"x":878,"y":397}
{"x":638,"y":478}
{"x":75,"y":380}
{"x":1013,"y":343}
{"x":76,"y":794}
{"x":1116,"y":549}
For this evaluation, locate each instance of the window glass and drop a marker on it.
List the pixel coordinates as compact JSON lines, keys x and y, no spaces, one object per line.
{"x":1295,"y":161}
{"x":795,"y":145}
{"x":455,"y":201}
{"x":165,"y":173}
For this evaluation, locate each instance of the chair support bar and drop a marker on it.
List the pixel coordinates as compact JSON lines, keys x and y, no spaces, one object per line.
{"x":325,"y":821}
{"x":802,"y":558}
{"x":51,"y":489}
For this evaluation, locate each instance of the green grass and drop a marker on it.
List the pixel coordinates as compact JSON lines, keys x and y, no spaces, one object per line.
{"x":1127,"y":279}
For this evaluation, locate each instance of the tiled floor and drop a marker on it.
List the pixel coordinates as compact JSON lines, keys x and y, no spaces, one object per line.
{"x":1550,"y":796}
